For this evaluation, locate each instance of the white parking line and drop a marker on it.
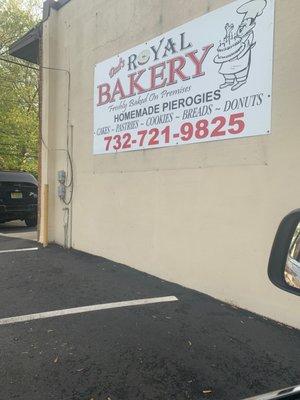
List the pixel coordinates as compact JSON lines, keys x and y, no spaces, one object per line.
{"x":17,"y":250}
{"x":79,"y":310}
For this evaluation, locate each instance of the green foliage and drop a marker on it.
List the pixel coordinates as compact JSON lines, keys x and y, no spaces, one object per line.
{"x":18,"y":91}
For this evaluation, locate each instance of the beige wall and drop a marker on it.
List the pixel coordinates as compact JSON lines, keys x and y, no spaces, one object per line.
{"x":202,"y":215}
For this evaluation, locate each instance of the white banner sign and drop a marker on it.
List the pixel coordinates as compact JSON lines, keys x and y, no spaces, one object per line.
{"x":209,"y":79}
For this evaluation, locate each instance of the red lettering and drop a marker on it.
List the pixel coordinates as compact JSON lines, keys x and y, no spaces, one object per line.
{"x":176,"y":70}
{"x":157,"y":74}
{"x":133,"y":82}
{"x":118,"y":90}
{"x":158,"y":77}
{"x":103,"y":91}
{"x":199,"y":62}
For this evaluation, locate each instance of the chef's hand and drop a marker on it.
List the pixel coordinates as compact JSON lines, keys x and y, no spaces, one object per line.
{"x":245,"y":50}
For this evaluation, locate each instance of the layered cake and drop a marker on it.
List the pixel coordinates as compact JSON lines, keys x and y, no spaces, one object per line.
{"x":230,"y":48}
{"x":231,"y":45}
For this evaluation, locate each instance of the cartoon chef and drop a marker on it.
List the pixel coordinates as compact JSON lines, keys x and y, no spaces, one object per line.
{"x":234,"y":52}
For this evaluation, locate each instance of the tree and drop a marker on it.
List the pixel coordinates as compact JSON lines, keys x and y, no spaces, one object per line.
{"x":19,"y":122}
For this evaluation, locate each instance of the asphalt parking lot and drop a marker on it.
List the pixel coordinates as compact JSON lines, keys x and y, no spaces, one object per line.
{"x":17,"y":229}
{"x":193,"y":348}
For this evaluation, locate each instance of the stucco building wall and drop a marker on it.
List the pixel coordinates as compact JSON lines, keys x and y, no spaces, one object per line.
{"x":202,"y":215}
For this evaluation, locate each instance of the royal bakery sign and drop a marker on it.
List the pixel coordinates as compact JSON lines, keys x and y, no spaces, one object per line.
{"x":209,"y":79}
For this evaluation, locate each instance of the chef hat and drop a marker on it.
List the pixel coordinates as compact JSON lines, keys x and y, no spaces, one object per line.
{"x":252,"y":9}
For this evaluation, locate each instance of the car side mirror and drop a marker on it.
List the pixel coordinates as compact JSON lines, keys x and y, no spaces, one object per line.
{"x":284,"y":262}
{"x":291,"y":393}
